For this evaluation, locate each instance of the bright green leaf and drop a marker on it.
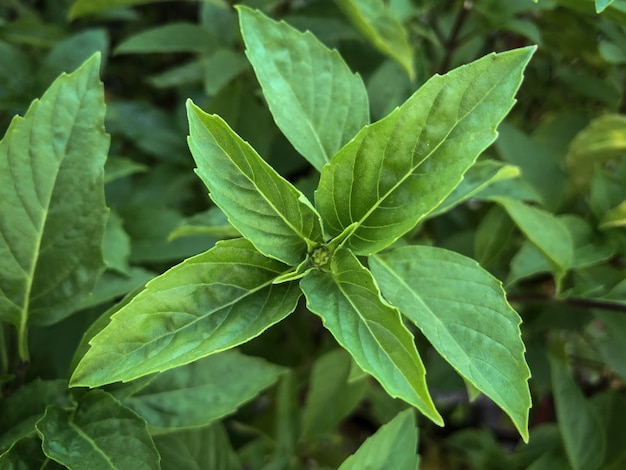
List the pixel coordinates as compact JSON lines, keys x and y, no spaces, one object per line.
{"x":206,"y":448}
{"x":615,"y":217}
{"x":393,"y":446}
{"x":263,"y":206}
{"x":52,"y":209}
{"x":544,"y":230}
{"x":581,"y":430}
{"x":463,"y":312}
{"x":397,"y":170}
{"x":99,"y":434}
{"x":349,"y":303}
{"x":331,"y":396}
{"x":374,"y":20}
{"x":316,"y":101}
{"x":602,"y":4}
{"x":209,"y":303}
{"x":204,"y":391}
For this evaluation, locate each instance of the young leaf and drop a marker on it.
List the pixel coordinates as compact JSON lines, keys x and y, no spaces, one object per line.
{"x":581,"y":430}
{"x":544,"y":230}
{"x":349,"y":303}
{"x":382,"y":29}
{"x":204,"y":391}
{"x":463,"y":312}
{"x":205,"y":448}
{"x":209,"y":303}
{"x":397,"y":170}
{"x":263,"y":206}
{"x":316,"y":101}
{"x":52,"y":209}
{"x":394,"y":446}
{"x":99,"y":434}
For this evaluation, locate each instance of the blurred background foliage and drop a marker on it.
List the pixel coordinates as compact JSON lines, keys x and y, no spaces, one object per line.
{"x":566,"y":134}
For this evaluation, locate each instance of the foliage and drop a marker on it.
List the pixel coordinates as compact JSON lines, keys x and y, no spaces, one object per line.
{"x":363,"y":163}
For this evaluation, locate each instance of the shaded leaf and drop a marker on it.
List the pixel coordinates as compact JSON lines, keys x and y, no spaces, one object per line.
{"x":263,"y":206}
{"x":383,"y":30}
{"x":349,"y":303}
{"x":26,"y":454}
{"x":400,"y":168}
{"x":99,"y":434}
{"x":462,"y":310}
{"x":204,"y":391}
{"x":209,"y":303}
{"x":316,"y":101}
{"x":20,"y":411}
{"x":52,"y":205}
{"x":580,"y":427}
{"x":332,"y":396}
{"x":615,"y":217}
{"x":394,"y":445}
{"x":172,"y":37}
{"x":206,"y":448}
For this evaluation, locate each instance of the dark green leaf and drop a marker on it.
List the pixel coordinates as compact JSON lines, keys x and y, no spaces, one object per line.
{"x":99,"y":434}
{"x":209,"y":303}
{"x":202,"y":392}
{"x":315,"y":99}
{"x":397,"y":170}
{"x":463,"y":312}
{"x":172,"y":37}
{"x":197,"y":449}
{"x":349,"y":303}
{"x":263,"y":206}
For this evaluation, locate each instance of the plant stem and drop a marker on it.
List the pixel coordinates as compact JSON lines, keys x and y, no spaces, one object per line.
{"x":452,"y":42}
{"x":576,"y":302}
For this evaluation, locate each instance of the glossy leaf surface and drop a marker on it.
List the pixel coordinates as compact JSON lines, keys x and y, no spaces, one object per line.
{"x":463,"y":312}
{"x":99,"y":434}
{"x":209,"y":303}
{"x":397,"y":170}
{"x":315,"y":99}
{"x":52,"y":209}
{"x":201,"y":392}
{"x":392,"y":446}
{"x":349,"y":303}
{"x":262,"y":205}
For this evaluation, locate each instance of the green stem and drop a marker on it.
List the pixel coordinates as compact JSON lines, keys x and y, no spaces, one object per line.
{"x":22,"y":343}
{"x":453,"y":40}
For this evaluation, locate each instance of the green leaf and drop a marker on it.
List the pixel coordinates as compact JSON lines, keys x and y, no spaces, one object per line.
{"x":603,"y":139}
{"x":395,"y":171}
{"x":580,"y":427}
{"x":99,"y":434}
{"x":26,"y":454}
{"x":172,"y":37}
{"x":349,"y":303}
{"x":544,"y":230}
{"x":204,"y":391}
{"x":52,"y":209}
{"x":119,"y":167}
{"x":89,"y":7}
{"x":116,"y":245}
{"x":316,"y":101}
{"x":331,"y":396}
{"x":463,"y":312}
{"x":393,"y":446}
{"x":374,"y":20}
{"x":602,"y":4}
{"x":492,"y":236}
{"x":209,"y":303}
{"x":615,"y":217}
{"x":20,"y":411}
{"x":206,"y":448}
{"x":263,"y":206}
{"x":478,"y":177}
